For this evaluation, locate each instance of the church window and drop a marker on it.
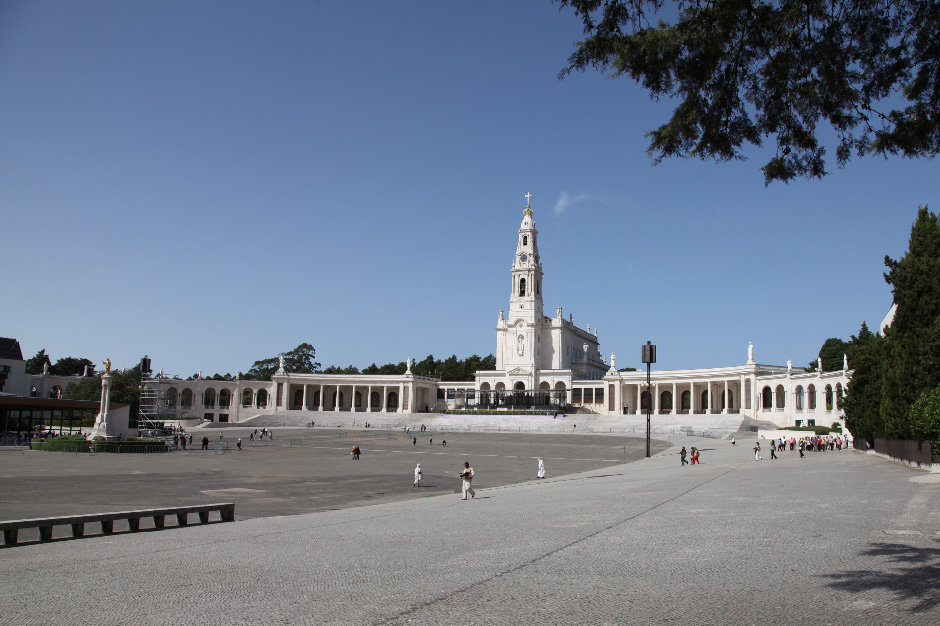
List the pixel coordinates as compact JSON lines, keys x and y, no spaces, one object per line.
{"x":521,"y":287}
{"x":685,"y":401}
{"x":589,"y":396}
{"x":705,"y":406}
{"x":665,"y":401}
{"x":766,"y":399}
{"x":599,"y":395}
{"x":576,"y":396}
{"x":525,"y":240}
{"x":781,"y":397}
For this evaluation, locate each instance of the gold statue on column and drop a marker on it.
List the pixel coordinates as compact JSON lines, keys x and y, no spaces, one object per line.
{"x":107,"y":366}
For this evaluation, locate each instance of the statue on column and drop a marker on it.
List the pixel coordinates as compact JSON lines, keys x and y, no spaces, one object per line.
{"x":845,"y":361}
{"x":45,"y":369}
{"x":789,"y":367}
{"x":409,"y":362}
{"x":819,"y":365}
{"x":613,"y":361}
{"x":107,"y":366}
{"x":750,"y":352}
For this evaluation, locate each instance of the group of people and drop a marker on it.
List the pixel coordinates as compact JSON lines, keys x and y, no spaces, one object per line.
{"x":815,"y":443}
{"x":694,"y":454}
{"x":264,"y":433}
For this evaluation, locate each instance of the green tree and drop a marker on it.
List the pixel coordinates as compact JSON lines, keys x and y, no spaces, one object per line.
{"x":912,"y":363}
{"x":35,"y":364}
{"x":125,"y":389}
{"x":862,"y":403}
{"x":300,"y":360}
{"x":72,"y":366}
{"x":742,"y":71}
{"x":925,"y":420}
{"x":832,"y":354}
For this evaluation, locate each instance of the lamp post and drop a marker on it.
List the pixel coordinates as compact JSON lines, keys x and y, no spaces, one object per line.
{"x":648,"y":356}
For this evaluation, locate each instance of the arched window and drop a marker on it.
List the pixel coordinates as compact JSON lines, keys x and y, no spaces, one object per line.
{"x":525,"y":240}
{"x":521,"y":287}
{"x":298,"y":398}
{"x":261,"y":399}
{"x":500,"y":385}
{"x":225,"y":398}
{"x":171,"y":397}
{"x":247,"y":397}
{"x":838,"y":395}
{"x":685,"y":401}
{"x":730,"y":404}
{"x":645,"y":401}
{"x":560,"y":385}
{"x":357,"y":400}
{"x":781,"y":397}
{"x":519,"y":386}
{"x":811,"y":397}
{"x":392,"y":404}
{"x":186,"y":398}
{"x":316,"y":398}
{"x":799,"y":398}
{"x":767,"y":399}
{"x":484,"y":386}
{"x":665,"y":401}
{"x":208,"y":398}
{"x":705,"y":400}
{"x":375,"y":401}
{"x":55,"y":392}
{"x":828,"y":397}
{"x":544,"y":385}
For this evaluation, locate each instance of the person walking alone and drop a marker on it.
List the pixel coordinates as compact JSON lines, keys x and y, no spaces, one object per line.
{"x":541,"y":472}
{"x":467,"y":476}
{"x":757,"y":451}
{"x":418,"y":476}
{"x":682,"y":459}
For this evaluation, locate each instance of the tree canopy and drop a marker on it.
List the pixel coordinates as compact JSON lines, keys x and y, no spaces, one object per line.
{"x":742,"y":71}
{"x":66,"y":366}
{"x":896,"y":378}
{"x":300,"y":360}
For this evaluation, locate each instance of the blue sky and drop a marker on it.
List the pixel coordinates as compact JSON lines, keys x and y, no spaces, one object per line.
{"x":213,"y":183}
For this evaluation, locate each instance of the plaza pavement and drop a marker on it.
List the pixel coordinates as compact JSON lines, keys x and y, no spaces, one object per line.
{"x":834,"y":538}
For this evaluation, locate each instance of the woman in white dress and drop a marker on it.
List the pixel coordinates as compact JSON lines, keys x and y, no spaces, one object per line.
{"x":541,"y":473}
{"x":418,"y":475}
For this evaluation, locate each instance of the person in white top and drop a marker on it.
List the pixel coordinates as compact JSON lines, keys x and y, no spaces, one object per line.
{"x":418,"y":475}
{"x":541,"y":473}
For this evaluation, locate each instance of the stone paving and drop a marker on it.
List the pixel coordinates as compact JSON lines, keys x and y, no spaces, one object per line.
{"x":834,"y":538}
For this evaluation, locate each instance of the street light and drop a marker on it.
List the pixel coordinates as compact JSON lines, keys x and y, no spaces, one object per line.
{"x":648,"y":356}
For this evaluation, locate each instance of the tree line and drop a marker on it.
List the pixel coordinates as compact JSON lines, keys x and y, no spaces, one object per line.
{"x":894,"y":392}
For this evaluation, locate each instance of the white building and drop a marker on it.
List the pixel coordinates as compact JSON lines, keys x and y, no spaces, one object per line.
{"x":542,"y":363}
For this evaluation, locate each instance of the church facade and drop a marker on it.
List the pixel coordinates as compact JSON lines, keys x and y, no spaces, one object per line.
{"x":543,"y":363}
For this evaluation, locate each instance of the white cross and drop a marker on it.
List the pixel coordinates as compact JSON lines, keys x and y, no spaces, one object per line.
{"x":527,"y":196}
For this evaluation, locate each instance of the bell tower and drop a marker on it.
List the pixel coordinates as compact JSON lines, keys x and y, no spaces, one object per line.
{"x":525,"y":301}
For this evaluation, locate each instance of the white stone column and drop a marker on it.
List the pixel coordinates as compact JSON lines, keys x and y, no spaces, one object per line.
{"x":639,"y":398}
{"x":352,"y":400}
{"x":369,"y":400}
{"x":384,"y":399}
{"x":401,"y":390}
{"x":655,"y":398}
{"x":675,"y":400}
{"x":691,"y":398}
{"x":304,"y":407}
{"x":724,"y":409}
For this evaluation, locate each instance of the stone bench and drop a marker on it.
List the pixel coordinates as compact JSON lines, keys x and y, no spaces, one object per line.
{"x":45,"y":525}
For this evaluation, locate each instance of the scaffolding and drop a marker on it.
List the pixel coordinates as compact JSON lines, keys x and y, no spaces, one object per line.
{"x":155,"y":409}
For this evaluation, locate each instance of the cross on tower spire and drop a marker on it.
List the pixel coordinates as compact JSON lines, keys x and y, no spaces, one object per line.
{"x":528,"y":209}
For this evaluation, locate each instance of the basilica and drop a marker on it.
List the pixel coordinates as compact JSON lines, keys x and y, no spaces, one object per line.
{"x":544,"y":364}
